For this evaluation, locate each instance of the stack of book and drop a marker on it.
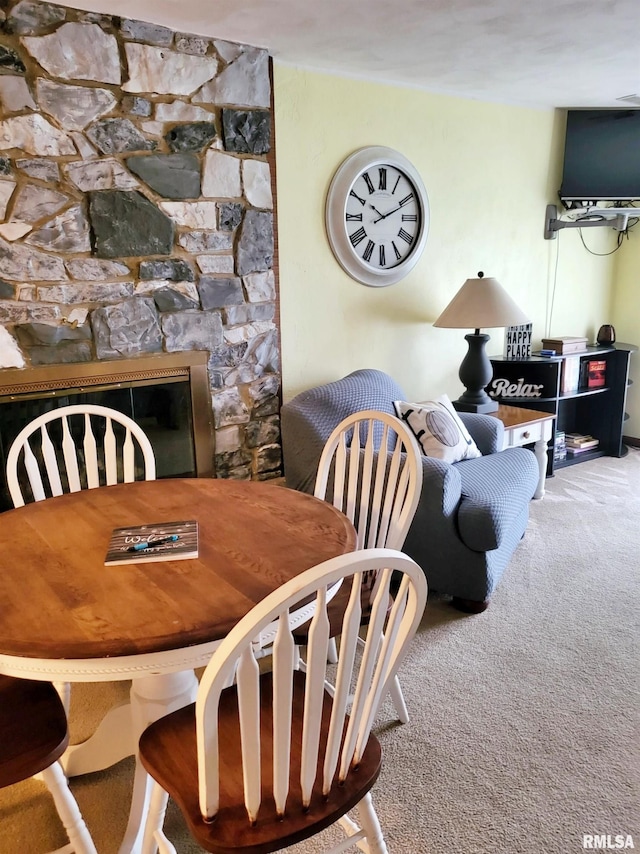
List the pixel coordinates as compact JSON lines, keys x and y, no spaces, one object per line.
{"x":578,"y":443}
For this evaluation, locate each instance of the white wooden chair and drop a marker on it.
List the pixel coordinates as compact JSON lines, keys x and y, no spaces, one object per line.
{"x":33,"y":737}
{"x":276,"y":758}
{"x":379,"y":492}
{"x":45,"y":456}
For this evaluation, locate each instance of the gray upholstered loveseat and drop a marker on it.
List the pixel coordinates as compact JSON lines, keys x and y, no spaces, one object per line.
{"x":472,"y":514}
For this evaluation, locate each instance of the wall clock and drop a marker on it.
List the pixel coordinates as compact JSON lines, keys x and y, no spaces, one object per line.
{"x":377,"y":216}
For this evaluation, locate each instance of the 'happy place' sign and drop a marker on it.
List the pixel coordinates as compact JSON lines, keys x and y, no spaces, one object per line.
{"x":517,"y":341}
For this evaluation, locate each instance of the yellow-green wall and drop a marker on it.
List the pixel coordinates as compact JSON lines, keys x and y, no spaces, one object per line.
{"x":625,"y":316}
{"x":489,"y":170}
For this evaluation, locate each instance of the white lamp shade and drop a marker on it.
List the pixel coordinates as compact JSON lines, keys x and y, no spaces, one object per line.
{"x":481,"y":303}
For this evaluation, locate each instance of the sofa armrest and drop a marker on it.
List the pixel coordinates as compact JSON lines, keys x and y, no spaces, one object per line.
{"x":486,"y":431}
{"x":441,"y":487}
{"x":494,"y":489}
{"x":302,"y":444}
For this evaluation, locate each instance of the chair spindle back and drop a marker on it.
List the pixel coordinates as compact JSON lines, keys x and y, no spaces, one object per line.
{"x":64,"y":451}
{"x":361,"y":681}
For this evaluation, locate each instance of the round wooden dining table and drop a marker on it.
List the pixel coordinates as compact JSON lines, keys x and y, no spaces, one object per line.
{"x":67,"y":617}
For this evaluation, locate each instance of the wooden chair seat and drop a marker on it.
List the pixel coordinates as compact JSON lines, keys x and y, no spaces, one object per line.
{"x":33,"y":737}
{"x":33,"y":729}
{"x":169,"y":753}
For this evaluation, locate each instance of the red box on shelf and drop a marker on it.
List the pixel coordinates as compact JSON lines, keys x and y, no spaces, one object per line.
{"x":596,"y":374}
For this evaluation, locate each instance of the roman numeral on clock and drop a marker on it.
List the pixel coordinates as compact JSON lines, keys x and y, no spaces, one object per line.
{"x":355,"y":217}
{"x":382,"y":183}
{"x":409,"y":217}
{"x":408,"y":238}
{"x":367,"y":180}
{"x":395,"y":251}
{"x":396,"y":184}
{"x":381,"y":255}
{"x":357,"y":236}
{"x":356,"y":196}
{"x":368,"y":252}
{"x":406,"y":199}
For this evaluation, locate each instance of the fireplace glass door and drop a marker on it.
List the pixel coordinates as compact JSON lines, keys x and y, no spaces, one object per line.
{"x":162,"y":407}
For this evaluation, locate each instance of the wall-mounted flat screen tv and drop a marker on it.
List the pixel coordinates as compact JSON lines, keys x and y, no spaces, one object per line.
{"x":601,"y":156}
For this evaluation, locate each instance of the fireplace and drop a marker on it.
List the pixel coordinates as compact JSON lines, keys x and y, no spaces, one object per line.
{"x":167,"y":394}
{"x":139,"y":220}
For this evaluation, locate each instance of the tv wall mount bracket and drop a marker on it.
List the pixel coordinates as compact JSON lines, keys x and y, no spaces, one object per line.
{"x":608,"y":217}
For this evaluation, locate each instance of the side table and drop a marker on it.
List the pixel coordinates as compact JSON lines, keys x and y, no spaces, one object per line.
{"x":526,"y":427}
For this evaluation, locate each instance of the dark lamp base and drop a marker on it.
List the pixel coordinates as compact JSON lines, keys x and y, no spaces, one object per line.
{"x":462,"y":406}
{"x":475,"y":375}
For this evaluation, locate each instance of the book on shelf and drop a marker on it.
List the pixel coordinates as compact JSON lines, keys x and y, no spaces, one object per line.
{"x":154,"y":542}
{"x":559,"y":446}
{"x":575,"y":452}
{"x":584,"y":374}
{"x":596,"y":373}
{"x":570,"y":374}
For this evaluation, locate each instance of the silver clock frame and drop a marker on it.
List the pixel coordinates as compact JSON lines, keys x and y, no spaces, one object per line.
{"x":335,"y":212}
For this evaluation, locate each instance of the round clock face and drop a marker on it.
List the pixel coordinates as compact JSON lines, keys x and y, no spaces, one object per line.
{"x":377,"y":216}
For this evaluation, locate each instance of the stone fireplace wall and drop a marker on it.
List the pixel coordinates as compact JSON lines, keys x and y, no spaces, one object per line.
{"x":136,"y":209}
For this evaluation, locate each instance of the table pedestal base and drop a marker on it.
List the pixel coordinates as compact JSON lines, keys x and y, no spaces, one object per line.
{"x":151,"y":697}
{"x":110,"y":743}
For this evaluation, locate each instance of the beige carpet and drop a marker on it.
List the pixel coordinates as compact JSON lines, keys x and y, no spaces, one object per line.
{"x":524,"y":731}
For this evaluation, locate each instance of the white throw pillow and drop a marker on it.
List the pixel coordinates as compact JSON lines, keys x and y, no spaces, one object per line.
{"x":439,"y":429}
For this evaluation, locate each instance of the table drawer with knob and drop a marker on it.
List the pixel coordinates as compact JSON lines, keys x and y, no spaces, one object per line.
{"x":515,"y":437}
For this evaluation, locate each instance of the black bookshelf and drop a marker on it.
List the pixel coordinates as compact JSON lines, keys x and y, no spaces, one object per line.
{"x":535,"y":383}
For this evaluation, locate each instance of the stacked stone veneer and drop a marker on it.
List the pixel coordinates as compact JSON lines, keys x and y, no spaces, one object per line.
{"x":136,"y":211}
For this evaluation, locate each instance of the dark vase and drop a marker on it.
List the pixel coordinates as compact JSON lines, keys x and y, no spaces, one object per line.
{"x":606,"y":334}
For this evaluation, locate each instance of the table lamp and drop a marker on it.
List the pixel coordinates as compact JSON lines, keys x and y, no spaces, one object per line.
{"x":479,"y":303}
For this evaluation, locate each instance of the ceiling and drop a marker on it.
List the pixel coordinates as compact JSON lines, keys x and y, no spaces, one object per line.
{"x":534,"y":53}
